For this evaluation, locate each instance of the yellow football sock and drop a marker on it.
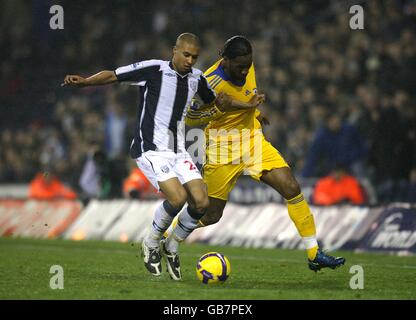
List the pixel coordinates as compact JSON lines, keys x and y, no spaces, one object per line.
{"x":303,"y":219}
{"x":200,"y":224}
{"x":312,"y":252}
{"x":171,"y":227}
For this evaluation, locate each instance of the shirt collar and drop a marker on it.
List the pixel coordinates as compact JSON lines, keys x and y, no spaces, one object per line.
{"x":227,"y":78}
{"x":183,"y":76}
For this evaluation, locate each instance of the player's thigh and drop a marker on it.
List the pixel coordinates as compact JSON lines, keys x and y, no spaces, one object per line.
{"x":283,"y":181}
{"x":174,"y":191}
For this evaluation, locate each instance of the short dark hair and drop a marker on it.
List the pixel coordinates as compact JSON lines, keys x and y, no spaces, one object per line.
{"x":235,"y":47}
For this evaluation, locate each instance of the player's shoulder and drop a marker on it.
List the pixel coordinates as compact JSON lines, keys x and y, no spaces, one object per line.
{"x":214,"y":70}
{"x":145,"y":64}
{"x":215,"y":75}
{"x":197,"y":73}
{"x":152,"y":62}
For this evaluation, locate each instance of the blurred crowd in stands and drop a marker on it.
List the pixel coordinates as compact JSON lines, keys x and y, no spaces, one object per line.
{"x":336,"y":97}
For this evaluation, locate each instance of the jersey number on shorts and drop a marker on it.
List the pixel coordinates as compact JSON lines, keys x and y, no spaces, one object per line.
{"x":191,"y":165}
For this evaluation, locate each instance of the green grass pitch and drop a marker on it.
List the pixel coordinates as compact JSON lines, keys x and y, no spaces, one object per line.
{"x":108,"y":270}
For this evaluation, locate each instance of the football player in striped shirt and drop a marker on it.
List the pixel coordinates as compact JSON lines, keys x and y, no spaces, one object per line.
{"x":166,"y":89}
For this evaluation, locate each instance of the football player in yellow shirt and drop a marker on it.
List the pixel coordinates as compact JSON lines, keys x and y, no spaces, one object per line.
{"x":236,"y":145}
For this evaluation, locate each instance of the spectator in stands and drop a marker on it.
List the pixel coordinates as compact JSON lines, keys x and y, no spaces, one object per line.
{"x":336,"y":142}
{"x":411,"y":190}
{"x":339,"y":187}
{"x":101,"y":177}
{"x":115,"y":126}
{"x":316,"y":67}
{"x":392,"y":150}
{"x":89,"y":180}
{"x":47,"y":186}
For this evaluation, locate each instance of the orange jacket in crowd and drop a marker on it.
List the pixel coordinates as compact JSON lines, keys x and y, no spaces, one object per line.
{"x":138,"y":182}
{"x":330,"y":190}
{"x":44,"y":187}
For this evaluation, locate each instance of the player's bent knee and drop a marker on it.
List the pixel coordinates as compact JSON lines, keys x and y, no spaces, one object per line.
{"x":178,"y":200}
{"x":177,"y":203}
{"x":292,"y":189}
{"x":201,"y":203}
{"x":199,"y":199}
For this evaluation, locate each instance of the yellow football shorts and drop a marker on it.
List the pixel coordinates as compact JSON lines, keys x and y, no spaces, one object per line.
{"x":221,"y":178}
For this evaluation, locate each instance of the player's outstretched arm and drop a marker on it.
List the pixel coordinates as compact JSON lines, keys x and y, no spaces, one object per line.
{"x":225,"y":102}
{"x":254,"y":102}
{"x":100,"y":78}
{"x":200,"y":115}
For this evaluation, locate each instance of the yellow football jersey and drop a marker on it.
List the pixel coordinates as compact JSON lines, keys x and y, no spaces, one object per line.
{"x":235,"y":144}
{"x":239,"y":119}
{"x":229,"y":135}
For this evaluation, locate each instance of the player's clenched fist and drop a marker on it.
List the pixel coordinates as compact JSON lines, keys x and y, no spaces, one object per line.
{"x":257,"y":100}
{"x":223,"y":101}
{"x":74,"y":80}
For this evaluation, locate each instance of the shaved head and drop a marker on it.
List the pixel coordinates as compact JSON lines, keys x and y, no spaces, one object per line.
{"x":185,"y":52}
{"x":188,"y":38}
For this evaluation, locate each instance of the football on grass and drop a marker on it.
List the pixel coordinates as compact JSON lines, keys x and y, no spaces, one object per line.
{"x":213,"y":267}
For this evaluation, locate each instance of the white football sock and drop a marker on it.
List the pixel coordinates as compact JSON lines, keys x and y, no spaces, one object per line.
{"x":160,"y":223}
{"x":186,"y":224}
{"x":309,"y":242}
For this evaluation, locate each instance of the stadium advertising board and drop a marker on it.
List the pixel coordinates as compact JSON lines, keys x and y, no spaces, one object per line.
{"x":394,"y":231}
{"x":37,"y":219}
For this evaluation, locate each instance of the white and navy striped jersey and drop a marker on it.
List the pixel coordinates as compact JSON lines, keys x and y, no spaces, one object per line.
{"x":164,"y":97}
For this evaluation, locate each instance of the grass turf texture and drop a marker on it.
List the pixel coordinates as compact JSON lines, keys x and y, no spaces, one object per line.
{"x":108,"y":270}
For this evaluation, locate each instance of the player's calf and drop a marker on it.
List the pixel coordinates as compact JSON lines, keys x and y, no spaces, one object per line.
{"x":211,"y":217}
{"x":214,"y":211}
